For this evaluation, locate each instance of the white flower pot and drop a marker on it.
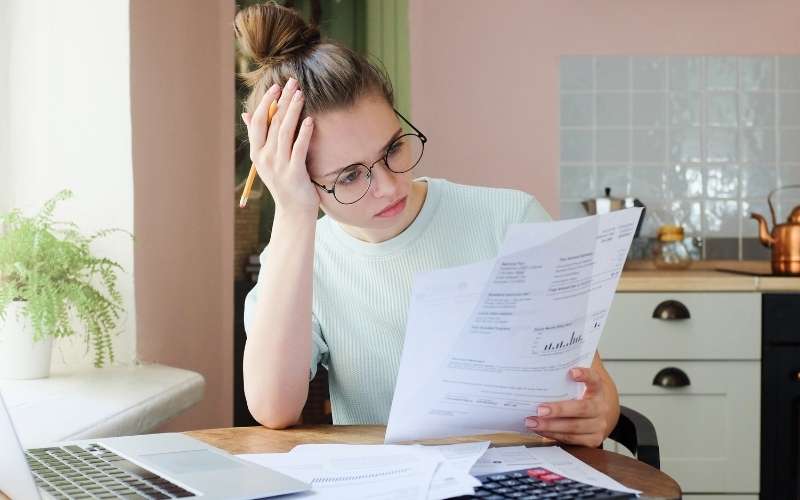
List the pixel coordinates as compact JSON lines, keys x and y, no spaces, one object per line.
{"x":20,"y":356}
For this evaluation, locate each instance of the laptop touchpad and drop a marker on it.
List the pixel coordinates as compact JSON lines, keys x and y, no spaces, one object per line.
{"x":190,"y":461}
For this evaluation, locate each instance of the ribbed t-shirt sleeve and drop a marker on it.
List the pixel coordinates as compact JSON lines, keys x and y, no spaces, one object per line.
{"x":319,"y":349}
{"x":534,"y":211}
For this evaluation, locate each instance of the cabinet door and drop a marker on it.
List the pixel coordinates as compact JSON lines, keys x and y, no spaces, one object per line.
{"x":722,"y":326}
{"x":708,"y":430}
{"x":781,"y":447}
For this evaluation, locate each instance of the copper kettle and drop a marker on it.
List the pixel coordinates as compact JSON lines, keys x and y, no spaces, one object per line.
{"x":784,"y":240}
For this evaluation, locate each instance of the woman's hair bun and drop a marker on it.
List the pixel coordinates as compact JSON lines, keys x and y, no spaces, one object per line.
{"x":269,"y":33}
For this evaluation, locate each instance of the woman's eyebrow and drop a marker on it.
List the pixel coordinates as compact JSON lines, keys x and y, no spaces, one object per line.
{"x":391,"y":140}
{"x":397,"y":134}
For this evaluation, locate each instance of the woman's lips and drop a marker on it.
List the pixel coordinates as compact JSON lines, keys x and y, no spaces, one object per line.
{"x":393,"y":209}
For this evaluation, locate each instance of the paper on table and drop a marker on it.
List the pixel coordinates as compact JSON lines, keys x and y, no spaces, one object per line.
{"x":392,"y":474}
{"x":505,"y":459}
{"x":567,"y":465}
{"x":462,"y":455}
{"x":451,"y":478}
{"x":488,"y":342}
{"x":553,"y":458}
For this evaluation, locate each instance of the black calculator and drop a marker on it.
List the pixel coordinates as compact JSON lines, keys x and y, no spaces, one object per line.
{"x":539,"y":484}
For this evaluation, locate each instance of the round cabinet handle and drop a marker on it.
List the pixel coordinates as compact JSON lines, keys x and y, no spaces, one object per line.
{"x":671,"y":377}
{"x":796,"y":376}
{"x":670,"y":310}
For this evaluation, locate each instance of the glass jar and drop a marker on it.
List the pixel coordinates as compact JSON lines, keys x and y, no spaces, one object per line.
{"x":669,"y":251}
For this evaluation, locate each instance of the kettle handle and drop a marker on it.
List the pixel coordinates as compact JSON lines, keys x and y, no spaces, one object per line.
{"x":769,"y":200}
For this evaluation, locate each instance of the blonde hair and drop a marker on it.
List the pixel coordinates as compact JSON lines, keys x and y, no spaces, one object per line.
{"x":281,"y":45}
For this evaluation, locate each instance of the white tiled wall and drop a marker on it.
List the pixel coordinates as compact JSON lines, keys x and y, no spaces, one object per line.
{"x":700,"y":140}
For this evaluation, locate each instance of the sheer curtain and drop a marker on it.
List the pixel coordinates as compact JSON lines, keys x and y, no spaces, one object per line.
{"x":65,"y":122}
{"x":5,"y":42}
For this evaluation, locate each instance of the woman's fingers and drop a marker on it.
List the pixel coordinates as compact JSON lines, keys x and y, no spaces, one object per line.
{"x":569,"y":408}
{"x":590,"y":377}
{"x":278,"y":155}
{"x":565,"y":425}
{"x":257,"y":126}
{"x":283,"y":103}
{"x":300,"y":149}
{"x":286,"y":133}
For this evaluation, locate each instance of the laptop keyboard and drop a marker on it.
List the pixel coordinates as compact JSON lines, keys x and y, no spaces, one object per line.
{"x":92,"y":471}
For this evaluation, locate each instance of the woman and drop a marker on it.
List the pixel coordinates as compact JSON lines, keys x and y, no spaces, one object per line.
{"x":337,"y":144}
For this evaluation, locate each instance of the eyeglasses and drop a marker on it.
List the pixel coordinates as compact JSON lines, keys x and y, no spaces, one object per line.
{"x":353,"y":181}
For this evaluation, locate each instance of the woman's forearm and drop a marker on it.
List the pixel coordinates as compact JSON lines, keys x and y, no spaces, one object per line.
{"x":277,"y":353}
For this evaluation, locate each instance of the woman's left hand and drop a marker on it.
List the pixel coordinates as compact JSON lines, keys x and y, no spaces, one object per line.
{"x":583,"y":421}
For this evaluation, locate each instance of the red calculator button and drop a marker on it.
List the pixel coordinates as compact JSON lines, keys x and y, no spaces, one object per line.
{"x":551,"y":477}
{"x":538,"y":472}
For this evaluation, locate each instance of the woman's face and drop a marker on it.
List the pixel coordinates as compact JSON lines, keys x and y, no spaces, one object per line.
{"x":361,"y":134}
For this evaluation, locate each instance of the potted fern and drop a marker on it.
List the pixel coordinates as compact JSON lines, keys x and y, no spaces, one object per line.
{"x":49,"y":282}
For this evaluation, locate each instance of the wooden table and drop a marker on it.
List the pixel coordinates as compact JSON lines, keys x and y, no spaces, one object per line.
{"x":630,"y":472}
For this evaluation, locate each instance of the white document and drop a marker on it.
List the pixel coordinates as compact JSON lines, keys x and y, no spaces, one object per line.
{"x":486,"y":343}
{"x":564,"y":464}
{"x":462,"y":456}
{"x":506,"y":459}
{"x":451,"y":478}
{"x":389,"y":474}
{"x":552,"y":458}
{"x":379,"y":471}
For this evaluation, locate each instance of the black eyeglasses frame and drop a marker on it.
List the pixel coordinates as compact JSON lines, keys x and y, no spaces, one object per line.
{"x":384,"y":159}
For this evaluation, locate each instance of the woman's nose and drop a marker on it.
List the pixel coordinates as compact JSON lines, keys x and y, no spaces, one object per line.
{"x":384,"y":183}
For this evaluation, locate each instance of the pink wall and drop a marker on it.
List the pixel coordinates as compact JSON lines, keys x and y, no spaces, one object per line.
{"x":484,"y":85}
{"x":182,"y":100}
{"x":484,"y":75}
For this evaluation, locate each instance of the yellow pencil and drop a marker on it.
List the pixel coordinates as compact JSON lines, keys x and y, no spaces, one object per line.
{"x":251,"y":177}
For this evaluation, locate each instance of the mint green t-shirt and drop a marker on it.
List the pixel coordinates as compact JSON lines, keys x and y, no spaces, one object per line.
{"x":362,"y":290}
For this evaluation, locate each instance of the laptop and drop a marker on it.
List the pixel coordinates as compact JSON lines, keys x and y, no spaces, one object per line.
{"x":168,"y":465}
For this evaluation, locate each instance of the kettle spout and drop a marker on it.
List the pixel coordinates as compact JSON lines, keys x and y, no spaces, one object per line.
{"x":763,"y":232}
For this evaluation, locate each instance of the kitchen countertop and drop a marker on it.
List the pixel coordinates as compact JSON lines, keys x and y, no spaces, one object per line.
{"x":705,"y":276}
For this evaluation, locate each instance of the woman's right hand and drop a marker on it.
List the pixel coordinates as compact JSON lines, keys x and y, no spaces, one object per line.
{"x":281,"y":164}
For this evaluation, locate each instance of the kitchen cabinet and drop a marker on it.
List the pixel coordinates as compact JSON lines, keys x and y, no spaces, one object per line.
{"x":721,"y":386}
{"x":708,"y":429}
{"x":780,"y":445}
{"x":721,"y":326}
{"x":697,"y":378}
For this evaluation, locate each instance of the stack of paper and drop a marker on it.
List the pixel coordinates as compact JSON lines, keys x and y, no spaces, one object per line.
{"x":379,"y":471}
{"x":417,"y":472}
